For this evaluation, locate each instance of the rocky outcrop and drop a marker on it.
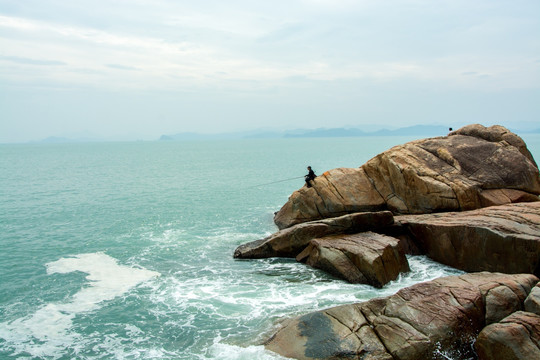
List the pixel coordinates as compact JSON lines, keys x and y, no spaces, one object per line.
{"x":431,"y":320}
{"x":364,"y":258}
{"x":471,"y":168}
{"x":291,"y":241}
{"x":517,"y":337}
{"x":500,"y":238}
{"x":469,"y":200}
{"x":335,"y":193}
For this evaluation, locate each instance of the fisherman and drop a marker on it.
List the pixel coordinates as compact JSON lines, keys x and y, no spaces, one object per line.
{"x":310,"y":176}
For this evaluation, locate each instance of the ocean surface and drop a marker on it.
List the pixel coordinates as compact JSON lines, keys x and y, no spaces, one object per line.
{"x":124,"y":250}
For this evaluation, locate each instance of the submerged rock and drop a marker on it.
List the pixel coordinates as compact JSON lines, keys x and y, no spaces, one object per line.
{"x":419,"y":322}
{"x":473,"y":167}
{"x":291,"y":241}
{"x":365,"y":258}
{"x":500,"y":238}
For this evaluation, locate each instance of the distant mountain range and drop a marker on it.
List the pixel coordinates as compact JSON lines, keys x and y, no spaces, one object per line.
{"x":417,"y":130}
{"x":60,"y":140}
{"x":420,"y":130}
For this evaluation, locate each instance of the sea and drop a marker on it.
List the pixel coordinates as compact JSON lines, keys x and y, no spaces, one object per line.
{"x":124,"y":250}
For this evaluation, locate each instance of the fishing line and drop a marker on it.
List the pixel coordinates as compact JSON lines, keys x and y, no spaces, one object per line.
{"x":275,"y":182}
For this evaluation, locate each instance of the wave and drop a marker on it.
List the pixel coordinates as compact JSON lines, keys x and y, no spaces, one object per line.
{"x":46,"y":333}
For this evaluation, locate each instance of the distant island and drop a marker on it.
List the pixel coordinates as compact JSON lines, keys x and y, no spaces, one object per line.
{"x":416,"y":130}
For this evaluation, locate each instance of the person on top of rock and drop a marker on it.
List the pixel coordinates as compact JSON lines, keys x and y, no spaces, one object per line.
{"x":310,"y":176}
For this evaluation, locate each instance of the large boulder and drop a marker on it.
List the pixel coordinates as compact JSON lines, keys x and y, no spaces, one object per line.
{"x":470,"y":168}
{"x":291,"y":241}
{"x":335,"y":193}
{"x":364,"y":258}
{"x":425,"y":321}
{"x":502,"y":238}
{"x":496,"y":133}
{"x":516,"y":337}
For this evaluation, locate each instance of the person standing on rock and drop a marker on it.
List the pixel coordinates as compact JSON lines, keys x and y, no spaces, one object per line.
{"x":310,"y":176}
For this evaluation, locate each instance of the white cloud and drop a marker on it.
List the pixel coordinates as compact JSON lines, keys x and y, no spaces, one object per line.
{"x":275,"y":52}
{"x":161,"y":62}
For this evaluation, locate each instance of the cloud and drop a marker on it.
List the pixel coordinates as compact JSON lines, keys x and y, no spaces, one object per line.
{"x":186,"y":46}
{"x":22,"y":60}
{"x":284,"y":33}
{"x":122,"y":67}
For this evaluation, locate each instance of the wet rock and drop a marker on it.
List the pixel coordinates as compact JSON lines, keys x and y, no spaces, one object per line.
{"x":473,"y":167}
{"x":338,"y":333}
{"x":419,"y":322}
{"x":291,"y":241}
{"x":500,"y":238}
{"x":515,"y":337}
{"x":366,"y":258}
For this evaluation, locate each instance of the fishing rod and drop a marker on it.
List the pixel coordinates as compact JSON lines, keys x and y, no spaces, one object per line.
{"x":275,"y":182}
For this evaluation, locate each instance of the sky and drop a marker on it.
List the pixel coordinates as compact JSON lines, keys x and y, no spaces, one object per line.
{"x":137,"y":69}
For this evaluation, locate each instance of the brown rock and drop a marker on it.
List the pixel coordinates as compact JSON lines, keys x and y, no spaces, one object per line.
{"x":515,"y":337}
{"x":366,"y":258}
{"x":335,"y":193}
{"x":338,"y":333}
{"x":418,"y":322}
{"x":532,"y":302}
{"x":472,"y":168}
{"x":500,"y":302}
{"x":501,"y":238}
{"x":291,"y":241}
{"x":496,"y":133}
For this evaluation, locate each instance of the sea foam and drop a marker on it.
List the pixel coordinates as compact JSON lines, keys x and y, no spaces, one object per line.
{"x":46,"y":332}
{"x":231,"y":352}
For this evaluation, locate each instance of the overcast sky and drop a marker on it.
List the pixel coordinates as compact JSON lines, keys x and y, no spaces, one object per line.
{"x":142,"y":68}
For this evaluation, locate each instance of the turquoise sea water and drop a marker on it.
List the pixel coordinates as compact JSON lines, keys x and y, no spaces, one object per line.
{"x":124,"y":250}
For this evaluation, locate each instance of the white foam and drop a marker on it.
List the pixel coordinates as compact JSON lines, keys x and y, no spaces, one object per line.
{"x":50,"y":324}
{"x":231,"y":352}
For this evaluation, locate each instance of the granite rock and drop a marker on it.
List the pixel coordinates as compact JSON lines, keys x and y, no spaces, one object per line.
{"x":365,"y":258}
{"x":471,"y":168}
{"x":424,"y":321}
{"x":291,"y":241}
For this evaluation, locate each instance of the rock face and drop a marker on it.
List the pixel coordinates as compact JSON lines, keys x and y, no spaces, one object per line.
{"x":515,"y":337}
{"x":291,"y":241}
{"x":424,"y":321}
{"x":471,"y":168}
{"x":365,"y":258}
{"x":532,"y":303}
{"x":496,"y":134}
{"x":335,"y":193}
{"x":500,"y":238}
{"x":469,"y":200}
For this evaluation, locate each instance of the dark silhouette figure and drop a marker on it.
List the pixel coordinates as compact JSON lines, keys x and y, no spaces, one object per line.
{"x":310,"y":176}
